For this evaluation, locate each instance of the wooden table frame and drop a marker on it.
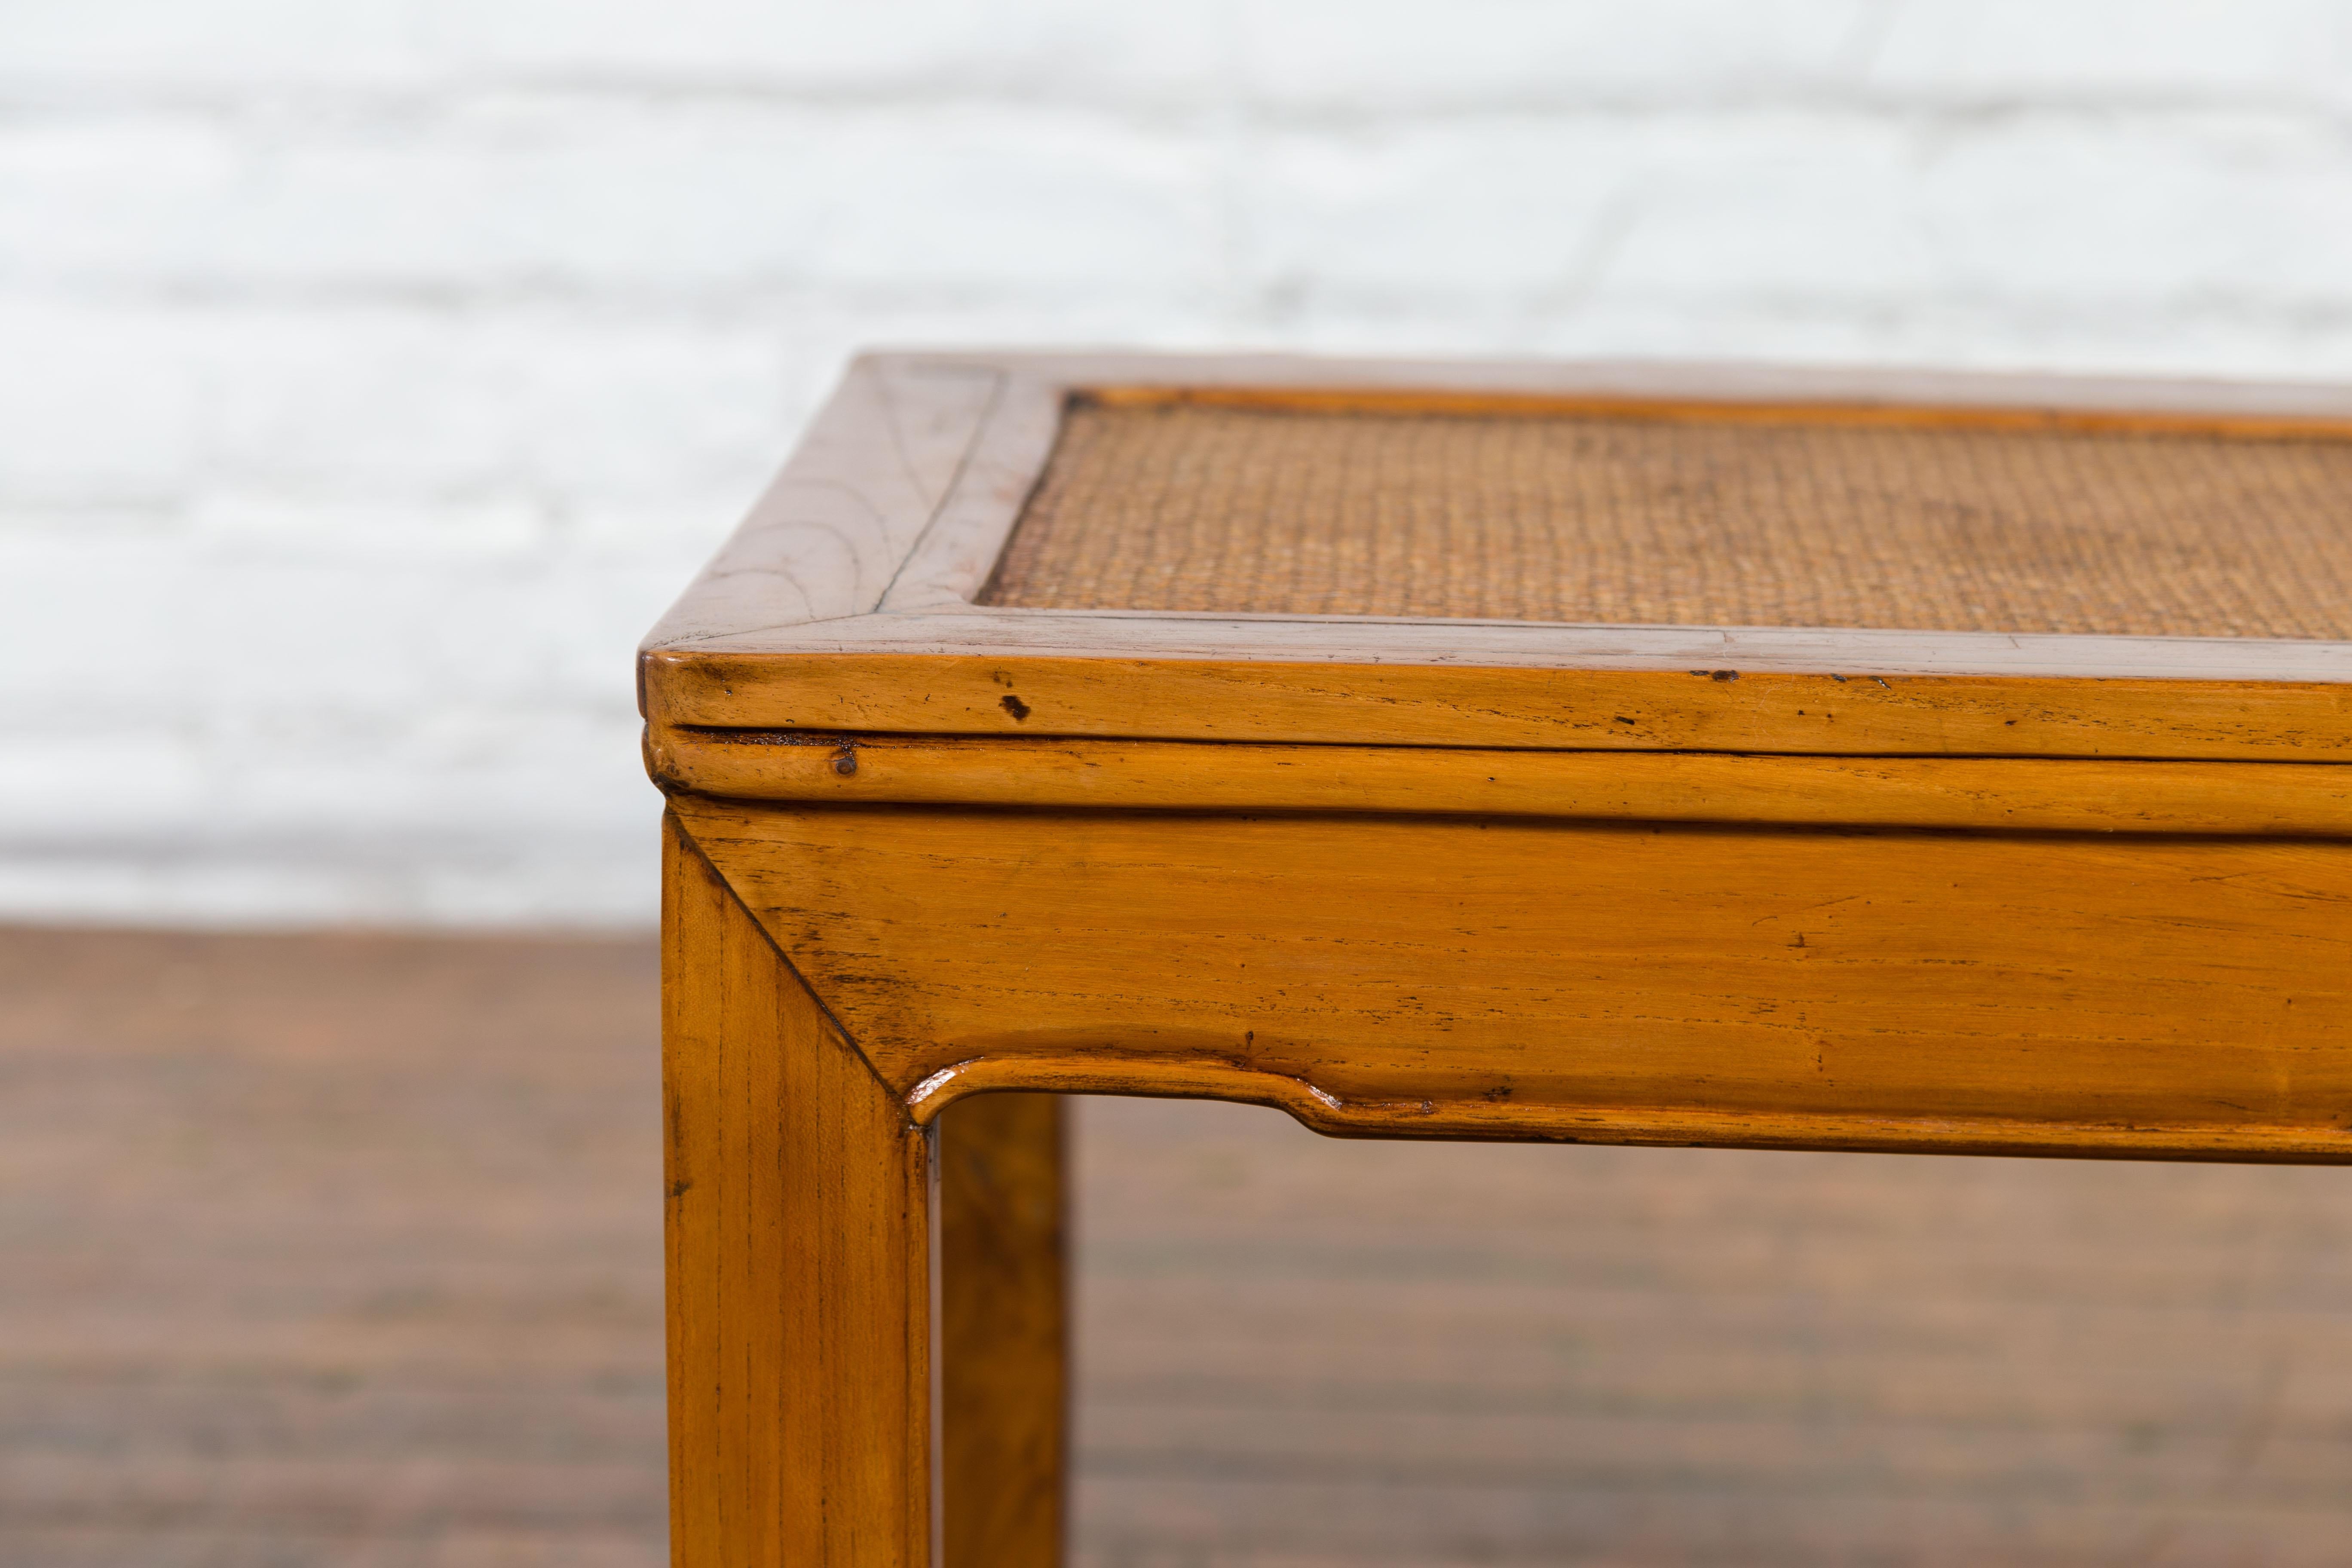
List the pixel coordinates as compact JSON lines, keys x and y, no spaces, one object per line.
{"x":1767,"y":887}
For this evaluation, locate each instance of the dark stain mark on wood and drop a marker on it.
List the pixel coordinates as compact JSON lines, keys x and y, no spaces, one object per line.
{"x":1014,"y":706}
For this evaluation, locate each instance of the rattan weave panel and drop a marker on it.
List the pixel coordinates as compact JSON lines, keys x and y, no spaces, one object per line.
{"x":1617,"y":520}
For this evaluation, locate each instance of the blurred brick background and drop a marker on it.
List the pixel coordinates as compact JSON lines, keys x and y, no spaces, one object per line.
{"x":372,"y":372}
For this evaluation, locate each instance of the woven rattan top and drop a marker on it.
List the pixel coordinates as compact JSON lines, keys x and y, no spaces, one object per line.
{"x":1689,"y":520}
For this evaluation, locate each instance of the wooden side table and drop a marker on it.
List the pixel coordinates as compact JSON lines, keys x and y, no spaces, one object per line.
{"x":1592,"y":754}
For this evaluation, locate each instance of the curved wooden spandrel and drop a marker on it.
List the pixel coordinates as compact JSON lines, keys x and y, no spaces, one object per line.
{"x":2148,"y":997}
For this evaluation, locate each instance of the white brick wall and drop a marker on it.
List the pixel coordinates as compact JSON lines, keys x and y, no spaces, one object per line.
{"x":371,"y":373}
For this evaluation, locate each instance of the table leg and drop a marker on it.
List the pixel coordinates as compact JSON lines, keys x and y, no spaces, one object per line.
{"x":1004,"y":1393}
{"x":799,"y":1262}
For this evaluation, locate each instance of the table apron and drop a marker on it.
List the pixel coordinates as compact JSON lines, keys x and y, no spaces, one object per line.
{"x":1611,"y":981}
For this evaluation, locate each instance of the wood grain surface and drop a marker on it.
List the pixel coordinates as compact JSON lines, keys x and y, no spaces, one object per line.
{"x":800,"y":1262}
{"x":319,"y":1252}
{"x":1003,"y":1331}
{"x":1871,"y":399}
{"x":1709,"y":698}
{"x":1610,"y":982}
{"x":830,"y":532}
{"x":2012,"y":794}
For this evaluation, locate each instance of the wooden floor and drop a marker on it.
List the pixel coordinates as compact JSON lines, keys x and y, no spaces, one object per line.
{"x":343,"y":1251}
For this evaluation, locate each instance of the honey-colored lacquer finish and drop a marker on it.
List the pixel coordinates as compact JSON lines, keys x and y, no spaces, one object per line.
{"x":1233,"y":693}
{"x":851,"y":599}
{"x":799,"y":1263}
{"x":2020,"y":793}
{"x":1003,"y":1324}
{"x":1413,"y":975}
{"x":936,"y":852}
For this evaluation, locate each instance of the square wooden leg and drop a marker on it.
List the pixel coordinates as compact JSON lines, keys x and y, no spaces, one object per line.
{"x":1004,"y":1390}
{"x":800,"y":1263}
{"x":800,"y":1220}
